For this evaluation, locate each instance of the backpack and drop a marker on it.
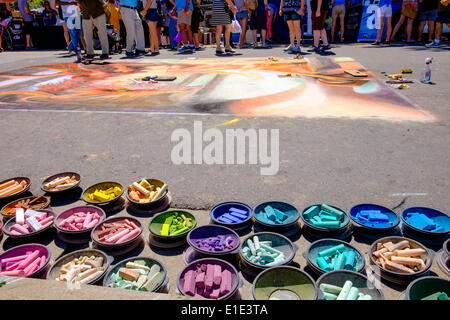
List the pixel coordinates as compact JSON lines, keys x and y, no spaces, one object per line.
{"x":252,"y":4}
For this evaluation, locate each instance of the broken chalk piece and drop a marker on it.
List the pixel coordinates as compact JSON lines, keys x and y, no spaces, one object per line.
{"x":225,"y":285}
{"x":312,"y":211}
{"x":217,"y":275}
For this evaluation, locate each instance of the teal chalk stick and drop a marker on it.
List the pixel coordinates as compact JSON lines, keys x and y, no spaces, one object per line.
{"x":339,"y":262}
{"x":325,"y":287}
{"x":332,"y":210}
{"x":312,"y":211}
{"x":353,"y":294}
{"x":327,"y":224}
{"x":329,"y":296}
{"x":322,"y":263}
{"x":345,"y":290}
{"x":350,"y":257}
{"x":332,"y":250}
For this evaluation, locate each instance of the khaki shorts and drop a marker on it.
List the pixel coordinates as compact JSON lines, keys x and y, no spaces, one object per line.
{"x":338,"y":11}
{"x":184,"y":18}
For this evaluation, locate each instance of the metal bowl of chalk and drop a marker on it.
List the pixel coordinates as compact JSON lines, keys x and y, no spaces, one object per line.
{"x":346,"y":285}
{"x":209,"y":278}
{"x":173,"y":224}
{"x":29,"y":223}
{"x":61,"y":182}
{"x":426,"y":221}
{"x":373,"y":217}
{"x":147,"y":192}
{"x":276,"y":214}
{"x":266,"y":249}
{"x":284,"y":283}
{"x":326,"y":255}
{"x":235,"y":215}
{"x":86,"y":266}
{"x":213,"y":240}
{"x":400,"y":260}
{"x":324,"y":217}
{"x":137,"y":273}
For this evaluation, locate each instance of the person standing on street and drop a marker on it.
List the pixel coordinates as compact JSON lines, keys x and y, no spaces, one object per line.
{"x":428,"y":13}
{"x":338,"y":11}
{"x":28,"y":22}
{"x":319,"y":9}
{"x":134,"y":28}
{"x":292,"y":12}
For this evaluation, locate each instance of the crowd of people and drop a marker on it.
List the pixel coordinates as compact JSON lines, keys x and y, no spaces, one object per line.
{"x":178,"y":21}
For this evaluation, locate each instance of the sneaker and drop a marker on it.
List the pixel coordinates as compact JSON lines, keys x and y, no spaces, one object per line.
{"x":90,"y":56}
{"x":297,"y":49}
{"x":244,"y":46}
{"x":387,"y":43}
{"x":255,"y":45}
{"x":230,"y":50}
{"x":265,"y":45}
{"x":104,"y":56}
{"x":129,"y":54}
{"x":314,"y":49}
{"x":433,"y":45}
{"x":183,"y":49}
{"x":325,"y":47}
{"x":289,"y":48}
{"x":376,"y":43}
{"x":141,"y":52}
{"x":219,"y":50}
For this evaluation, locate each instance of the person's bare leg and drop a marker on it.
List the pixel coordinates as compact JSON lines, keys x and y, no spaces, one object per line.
{"x":154,"y":43}
{"x":255,"y":36}
{"x":316,"y":34}
{"x":218,"y":36}
{"x":263,"y":35}
{"x":389,"y":28}
{"x":323,"y":35}
{"x":227,"y":33}
{"x":291,"y":31}
{"x":189,"y":34}
{"x":421,"y":27}
{"x":430,"y":30}
{"x":397,"y":26}
{"x":333,"y":28}
{"x":183,"y":33}
{"x":298,"y":31}
{"x":380,"y":29}
{"x":196,"y":41}
{"x":409,"y":29}
{"x":438,"y":31}
{"x":242,"y":38}
{"x":341,"y":20}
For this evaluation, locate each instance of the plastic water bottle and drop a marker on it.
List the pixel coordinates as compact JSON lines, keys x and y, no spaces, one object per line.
{"x":426,"y":73}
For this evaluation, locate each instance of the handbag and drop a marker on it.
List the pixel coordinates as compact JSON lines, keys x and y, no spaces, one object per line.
{"x":235,"y":26}
{"x":409,"y":11}
{"x":178,"y":37}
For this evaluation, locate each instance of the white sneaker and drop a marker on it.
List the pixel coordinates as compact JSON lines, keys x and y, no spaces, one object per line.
{"x":289,"y":47}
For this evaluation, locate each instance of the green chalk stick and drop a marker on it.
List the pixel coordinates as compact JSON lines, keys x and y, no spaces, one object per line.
{"x":435,"y":296}
{"x":352,"y":294}
{"x":329,"y":296}
{"x":365,"y":297}
{"x":345,"y":290}
{"x":179,"y":231}
{"x":329,"y":288}
{"x":251,"y":246}
{"x":270,"y":249}
{"x":166,"y":226}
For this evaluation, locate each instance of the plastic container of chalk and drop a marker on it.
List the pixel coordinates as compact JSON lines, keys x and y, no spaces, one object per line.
{"x":279,"y":242}
{"x":157,"y":222}
{"x":10,"y":222}
{"x":288,"y":209}
{"x":23,"y":249}
{"x":67,"y":213}
{"x":438,"y":217}
{"x":284,"y":283}
{"x":212,"y":230}
{"x":313,"y":252}
{"x":107,"y":281}
{"x":343,"y":227}
{"x":392,"y":216}
{"x":54,"y":270}
{"x":60,"y":175}
{"x":224,"y":207}
{"x":425,"y":286}
{"x":19,"y":180}
{"x":102,"y":186}
{"x":152,"y":204}
{"x":235,"y":281}
{"x":95,"y":232}
{"x":339,"y":277}
{"x":398,"y":277}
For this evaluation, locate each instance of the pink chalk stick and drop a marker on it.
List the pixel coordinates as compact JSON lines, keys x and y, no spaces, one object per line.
{"x":46,"y":220}
{"x":15,"y":233}
{"x":87,"y":220}
{"x":19,"y":228}
{"x":31,"y":266}
{"x":42,"y":216}
{"x":209,"y":278}
{"x":96,"y":216}
{"x":225,"y":286}
{"x":42,"y":263}
{"x":71,"y":226}
{"x":25,"y":263}
{"x":200,"y":280}
{"x":13,"y":273}
{"x":117,"y":236}
{"x":79,"y":220}
{"x":217,"y":275}
{"x":16,"y":258}
{"x":91,"y":224}
{"x":215,"y":293}
{"x":189,"y":283}
{"x":11,"y":266}
{"x":67,"y":221}
{"x":129,"y":235}
{"x":198,"y":292}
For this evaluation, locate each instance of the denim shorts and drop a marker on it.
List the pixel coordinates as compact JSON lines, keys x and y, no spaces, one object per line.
{"x":293,"y":15}
{"x":242,"y":14}
{"x":430,"y":15}
{"x":152,"y":15}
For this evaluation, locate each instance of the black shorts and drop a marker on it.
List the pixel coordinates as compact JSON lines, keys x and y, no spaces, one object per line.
{"x":318,"y":23}
{"x":166,"y":31}
{"x":258,"y":20}
{"x":28,"y":27}
{"x":195,"y":21}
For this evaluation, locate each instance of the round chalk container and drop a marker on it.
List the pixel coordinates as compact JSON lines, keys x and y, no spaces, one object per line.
{"x":276,"y":214}
{"x":209,"y":278}
{"x":42,"y":222}
{"x":326,"y":219}
{"x":213,"y":240}
{"x":373,"y":218}
{"x":27,"y":260}
{"x":9,"y":210}
{"x":139,"y":274}
{"x":79,"y":220}
{"x":284,"y":283}
{"x":326,"y":255}
{"x":14,"y":187}
{"x":61,"y":182}
{"x":400,"y":260}
{"x":428,"y":288}
{"x":234,"y":215}
{"x":346,"y":285}
{"x":116,"y":232}
{"x":148,"y":198}
{"x":264,"y":250}
{"x":86,"y":259}
{"x":426,"y":222}
{"x":103,"y":193}
{"x":172,"y":226}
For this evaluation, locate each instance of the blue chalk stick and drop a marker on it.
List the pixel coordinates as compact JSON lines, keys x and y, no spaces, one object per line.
{"x":238,"y":215}
{"x":239,"y":210}
{"x":270,"y":213}
{"x":225,"y":220}
{"x":230,"y":217}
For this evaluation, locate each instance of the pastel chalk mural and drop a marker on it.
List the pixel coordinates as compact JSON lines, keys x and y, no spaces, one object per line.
{"x":310,"y":87}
